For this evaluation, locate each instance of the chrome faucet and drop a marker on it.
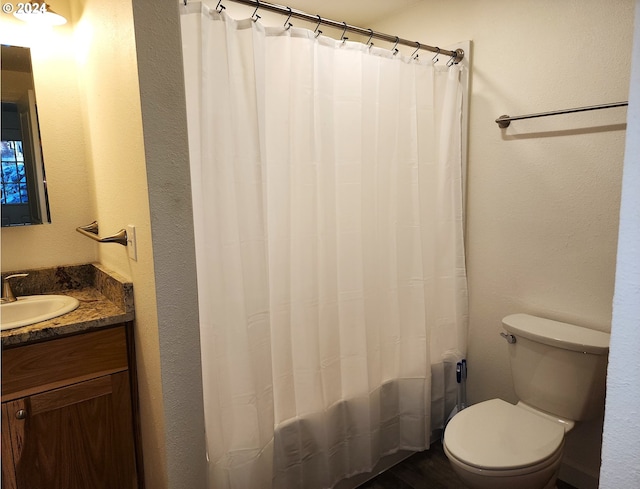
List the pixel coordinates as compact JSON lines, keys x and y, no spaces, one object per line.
{"x":7,"y":293}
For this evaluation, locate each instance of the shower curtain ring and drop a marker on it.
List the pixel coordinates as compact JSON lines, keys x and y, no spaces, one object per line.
{"x":452,"y":60}
{"x":395,"y":46}
{"x":317,"y":29}
{"x":369,"y":43}
{"x":287,"y":24}
{"x":255,"y":15}
{"x":219,"y":7}
{"x":415,"y":53}
{"x":435,"y":58}
{"x":343,"y":38}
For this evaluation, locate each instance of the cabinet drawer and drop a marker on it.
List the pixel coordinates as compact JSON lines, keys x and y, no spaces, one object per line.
{"x":30,"y":369}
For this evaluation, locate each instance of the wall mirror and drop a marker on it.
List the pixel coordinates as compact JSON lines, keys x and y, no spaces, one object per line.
{"x":24,"y":186}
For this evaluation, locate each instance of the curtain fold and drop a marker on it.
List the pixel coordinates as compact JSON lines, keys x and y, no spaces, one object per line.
{"x":327,"y":199}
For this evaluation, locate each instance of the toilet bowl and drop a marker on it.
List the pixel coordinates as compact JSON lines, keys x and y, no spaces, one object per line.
{"x":559,"y":373}
{"x":496,"y":445}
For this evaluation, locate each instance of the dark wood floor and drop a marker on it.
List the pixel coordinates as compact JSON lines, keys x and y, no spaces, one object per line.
{"x":425,"y":470}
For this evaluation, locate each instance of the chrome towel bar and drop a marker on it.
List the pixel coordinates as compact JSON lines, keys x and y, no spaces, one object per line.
{"x":91,"y":231}
{"x":504,"y":120}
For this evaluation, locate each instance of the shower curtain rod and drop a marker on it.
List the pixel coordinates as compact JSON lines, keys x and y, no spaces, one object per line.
{"x":456,"y":56}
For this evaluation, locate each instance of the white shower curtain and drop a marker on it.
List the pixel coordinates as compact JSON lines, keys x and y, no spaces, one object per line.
{"x":327,"y":199}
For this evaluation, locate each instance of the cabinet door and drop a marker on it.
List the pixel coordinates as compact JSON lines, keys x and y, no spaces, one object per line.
{"x":8,"y":473}
{"x":75,"y":437}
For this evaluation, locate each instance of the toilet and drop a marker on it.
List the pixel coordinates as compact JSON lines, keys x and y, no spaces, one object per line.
{"x":559,"y":373}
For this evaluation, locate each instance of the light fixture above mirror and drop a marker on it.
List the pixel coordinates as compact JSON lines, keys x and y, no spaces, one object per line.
{"x":38,"y":14}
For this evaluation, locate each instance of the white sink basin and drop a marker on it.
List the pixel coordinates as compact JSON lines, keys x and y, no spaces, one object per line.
{"x":32,"y":309}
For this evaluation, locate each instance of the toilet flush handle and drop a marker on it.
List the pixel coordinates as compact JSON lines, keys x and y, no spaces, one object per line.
{"x":509,"y":337}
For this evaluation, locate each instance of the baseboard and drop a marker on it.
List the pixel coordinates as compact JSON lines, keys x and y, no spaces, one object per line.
{"x":577,"y":477}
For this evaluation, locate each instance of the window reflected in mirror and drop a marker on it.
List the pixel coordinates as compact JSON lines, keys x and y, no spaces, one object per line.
{"x":22,"y":177}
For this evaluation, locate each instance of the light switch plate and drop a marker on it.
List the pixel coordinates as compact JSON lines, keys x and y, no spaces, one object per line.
{"x":131,"y":242}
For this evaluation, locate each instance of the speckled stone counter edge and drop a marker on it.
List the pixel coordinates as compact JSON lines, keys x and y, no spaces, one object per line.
{"x":106,"y":298}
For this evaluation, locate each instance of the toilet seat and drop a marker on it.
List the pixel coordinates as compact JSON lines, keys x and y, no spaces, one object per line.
{"x":535,"y":476}
{"x":497,"y":436}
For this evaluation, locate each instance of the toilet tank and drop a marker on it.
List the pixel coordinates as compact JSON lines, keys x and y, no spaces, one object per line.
{"x":557,"y":367}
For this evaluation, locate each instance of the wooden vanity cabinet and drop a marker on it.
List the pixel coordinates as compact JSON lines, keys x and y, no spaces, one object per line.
{"x":67,"y":414}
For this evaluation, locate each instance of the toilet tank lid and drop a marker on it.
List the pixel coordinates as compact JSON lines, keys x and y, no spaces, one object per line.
{"x":555,"y":333}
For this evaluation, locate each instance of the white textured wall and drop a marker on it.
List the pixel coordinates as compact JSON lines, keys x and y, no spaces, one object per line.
{"x":105,"y":52}
{"x":543,"y":195}
{"x":164,"y":119}
{"x":63,"y":145}
{"x":621,"y":447}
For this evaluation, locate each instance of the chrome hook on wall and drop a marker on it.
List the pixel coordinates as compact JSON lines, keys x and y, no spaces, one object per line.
{"x":317,"y":29}
{"x":220,"y":7}
{"x":287,"y":24}
{"x":415,"y":53}
{"x":395,"y":46}
{"x":254,"y":15}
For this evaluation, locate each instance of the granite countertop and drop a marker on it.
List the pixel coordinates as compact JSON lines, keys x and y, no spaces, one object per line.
{"x":106,"y":298}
